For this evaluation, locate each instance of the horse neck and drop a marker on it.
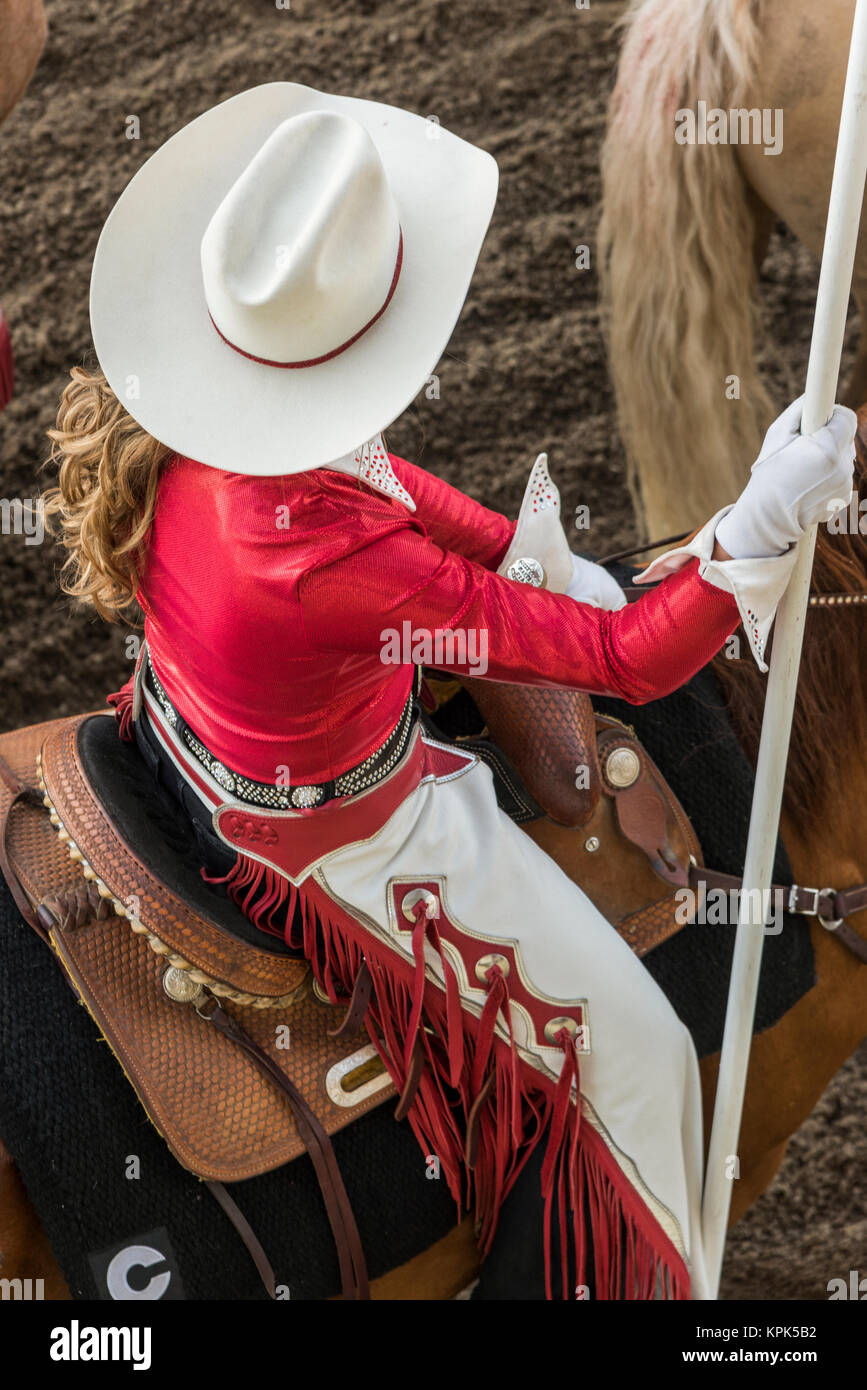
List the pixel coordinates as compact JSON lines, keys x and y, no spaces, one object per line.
{"x":830,"y":719}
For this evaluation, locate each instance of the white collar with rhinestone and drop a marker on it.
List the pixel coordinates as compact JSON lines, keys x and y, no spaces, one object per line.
{"x":370,"y":463}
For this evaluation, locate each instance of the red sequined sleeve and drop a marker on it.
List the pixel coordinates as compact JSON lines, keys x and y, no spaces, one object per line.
{"x":453,"y":520}
{"x":398,"y":593}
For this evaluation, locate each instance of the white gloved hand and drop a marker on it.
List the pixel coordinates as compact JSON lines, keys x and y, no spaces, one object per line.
{"x":591,"y":583}
{"x":796,"y":481}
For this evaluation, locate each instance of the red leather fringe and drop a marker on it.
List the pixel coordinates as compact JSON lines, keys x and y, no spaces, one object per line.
{"x":599,"y":1214}
{"x":262,"y":894}
{"x":122,"y":702}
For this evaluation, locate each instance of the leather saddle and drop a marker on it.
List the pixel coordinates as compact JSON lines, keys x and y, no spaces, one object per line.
{"x":143,"y":943}
{"x":159,"y":957}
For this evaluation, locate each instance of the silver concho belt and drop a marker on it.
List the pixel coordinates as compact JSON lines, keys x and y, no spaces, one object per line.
{"x":284,"y":798}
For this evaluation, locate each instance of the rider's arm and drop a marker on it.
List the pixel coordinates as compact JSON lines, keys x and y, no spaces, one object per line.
{"x":403,"y":587}
{"x":453,"y":520}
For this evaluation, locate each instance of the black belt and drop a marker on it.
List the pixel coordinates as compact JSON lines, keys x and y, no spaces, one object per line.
{"x":286,"y":798}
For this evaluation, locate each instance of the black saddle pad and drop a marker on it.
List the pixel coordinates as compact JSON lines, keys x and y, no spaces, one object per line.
{"x":148,"y":817}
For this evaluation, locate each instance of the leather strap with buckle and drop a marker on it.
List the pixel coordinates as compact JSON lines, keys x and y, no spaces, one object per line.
{"x":830,"y":906}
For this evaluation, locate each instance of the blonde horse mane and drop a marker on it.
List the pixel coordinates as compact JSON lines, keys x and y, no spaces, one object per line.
{"x":676,"y":263}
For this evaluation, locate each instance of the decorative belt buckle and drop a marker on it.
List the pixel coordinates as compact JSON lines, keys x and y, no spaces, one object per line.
{"x":305,"y":797}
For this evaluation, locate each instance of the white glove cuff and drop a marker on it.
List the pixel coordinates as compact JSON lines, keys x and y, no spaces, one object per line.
{"x":757,"y":584}
{"x":592,"y":584}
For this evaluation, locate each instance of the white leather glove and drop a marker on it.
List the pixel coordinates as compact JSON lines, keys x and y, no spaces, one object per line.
{"x":591,"y":583}
{"x":796,"y":481}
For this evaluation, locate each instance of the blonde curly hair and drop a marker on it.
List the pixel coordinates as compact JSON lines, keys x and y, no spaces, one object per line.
{"x":102,"y":506}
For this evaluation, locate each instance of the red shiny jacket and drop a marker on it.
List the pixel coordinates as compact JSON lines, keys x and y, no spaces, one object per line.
{"x":268,"y":604}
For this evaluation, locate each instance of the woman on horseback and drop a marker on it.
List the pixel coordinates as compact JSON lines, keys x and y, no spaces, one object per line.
{"x":271,"y":290}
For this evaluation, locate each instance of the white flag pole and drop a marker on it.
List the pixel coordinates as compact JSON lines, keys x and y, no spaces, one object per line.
{"x":841,"y":236}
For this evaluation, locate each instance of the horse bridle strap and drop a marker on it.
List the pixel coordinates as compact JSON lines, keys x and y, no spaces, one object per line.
{"x":634,"y":592}
{"x":828,"y":905}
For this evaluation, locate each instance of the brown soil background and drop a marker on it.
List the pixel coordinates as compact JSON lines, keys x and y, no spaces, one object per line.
{"x":524,"y":371}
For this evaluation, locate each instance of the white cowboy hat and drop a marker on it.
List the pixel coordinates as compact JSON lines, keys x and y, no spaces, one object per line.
{"x":278,"y":281}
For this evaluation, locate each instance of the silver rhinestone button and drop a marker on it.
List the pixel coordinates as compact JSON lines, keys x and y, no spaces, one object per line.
{"x":527,"y":571}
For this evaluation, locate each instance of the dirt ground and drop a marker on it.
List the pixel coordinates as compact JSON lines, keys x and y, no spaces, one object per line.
{"x":524,"y":370}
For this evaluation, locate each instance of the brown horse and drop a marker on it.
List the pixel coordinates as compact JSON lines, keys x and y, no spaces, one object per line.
{"x":683,"y":336}
{"x":791,"y":1063}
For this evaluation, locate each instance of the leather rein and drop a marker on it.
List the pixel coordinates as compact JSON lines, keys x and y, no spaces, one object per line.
{"x":635,"y":591}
